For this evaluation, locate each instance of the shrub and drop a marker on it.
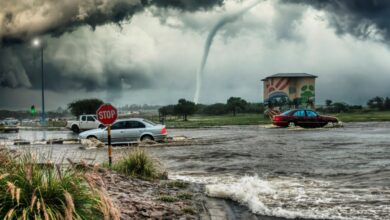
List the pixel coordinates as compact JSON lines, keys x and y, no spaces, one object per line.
{"x":168,"y":198}
{"x":178,"y":184}
{"x":184,"y":195}
{"x":29,"y":190}
{"x":189,"y":210}
{"x":137,"y":163}
{"x":6,"y":160}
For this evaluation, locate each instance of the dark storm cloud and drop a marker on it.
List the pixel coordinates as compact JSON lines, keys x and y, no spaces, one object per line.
{"x":365,"y":19}
{"x":187,"y":5}
{"x":20,"y":20}
{"x":20,"y":67}
{"x":12,"y":72}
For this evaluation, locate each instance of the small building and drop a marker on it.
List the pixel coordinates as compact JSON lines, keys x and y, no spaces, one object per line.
{"x":289,"y":90}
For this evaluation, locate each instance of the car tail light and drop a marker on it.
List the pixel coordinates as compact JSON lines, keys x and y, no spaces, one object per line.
{"x":277,"y":118}
{"x":164,"y":131}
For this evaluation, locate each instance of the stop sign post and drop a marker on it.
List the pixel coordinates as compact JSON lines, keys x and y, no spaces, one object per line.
{"x":107,"y":115}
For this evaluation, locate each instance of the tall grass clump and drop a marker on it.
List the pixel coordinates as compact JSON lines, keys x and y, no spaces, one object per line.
{"x":32,"y":190}
{"x":137,"y":163}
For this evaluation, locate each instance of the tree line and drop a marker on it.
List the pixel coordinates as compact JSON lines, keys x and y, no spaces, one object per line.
{"x":374,"y":104}
{"x":184,"y":108}
{"x":233,"y":105}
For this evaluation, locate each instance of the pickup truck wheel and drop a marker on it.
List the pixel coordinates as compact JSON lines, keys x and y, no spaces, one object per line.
{"x":75,"y":129}
{"x":147,"y":138}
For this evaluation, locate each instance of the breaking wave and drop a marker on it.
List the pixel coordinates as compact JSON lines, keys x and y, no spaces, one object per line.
{"x":298,"y":197}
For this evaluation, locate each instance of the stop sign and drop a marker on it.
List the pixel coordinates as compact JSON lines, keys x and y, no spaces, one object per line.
{"x":107,"y":114}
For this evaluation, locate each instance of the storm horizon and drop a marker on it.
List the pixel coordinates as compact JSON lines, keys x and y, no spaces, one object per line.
{"x":148,"y":52}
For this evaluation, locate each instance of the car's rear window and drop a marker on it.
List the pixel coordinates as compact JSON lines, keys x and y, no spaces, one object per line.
{"x":149,"y":122}
{"x":286,"y":113}
{"x":300,"y":113}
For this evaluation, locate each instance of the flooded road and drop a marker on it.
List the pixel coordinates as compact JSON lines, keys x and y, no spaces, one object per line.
{"x":334,"y":173}
{"x":331,"y":173}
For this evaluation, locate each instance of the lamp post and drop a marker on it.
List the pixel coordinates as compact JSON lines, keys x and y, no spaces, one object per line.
{"x":38,"y":43}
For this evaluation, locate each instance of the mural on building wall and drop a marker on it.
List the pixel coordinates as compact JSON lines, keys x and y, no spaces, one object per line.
{"x":276,"y":91}
{"x":307,"y":94}
{"x":284,"y":91}
{"x":287,"y":94}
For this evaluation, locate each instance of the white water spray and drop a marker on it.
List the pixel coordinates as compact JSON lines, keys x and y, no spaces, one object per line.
{"x":228,"y":18}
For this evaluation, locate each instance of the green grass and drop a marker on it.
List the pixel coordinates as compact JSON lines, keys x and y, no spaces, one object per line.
{"x":189,"y":210}
{"x":137,"y":163}
{"x":199,"y":121}
{"x":364,"y":116}
{"x":178,"y":184}
{"x":44,"y":191}
{"x":220,"y":120}
{"x":177,"y":197}
{"x":184,"y":195}
{"x":167,"y":198}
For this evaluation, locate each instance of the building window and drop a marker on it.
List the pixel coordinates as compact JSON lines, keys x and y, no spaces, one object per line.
{"x":292,"y":90}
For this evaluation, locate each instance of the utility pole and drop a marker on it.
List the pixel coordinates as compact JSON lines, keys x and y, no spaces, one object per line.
{"x":38,"y":43}
{"x":43,"y":117}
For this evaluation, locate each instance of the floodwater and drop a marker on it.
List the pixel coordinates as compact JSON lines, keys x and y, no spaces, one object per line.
{"x":327,"y":173}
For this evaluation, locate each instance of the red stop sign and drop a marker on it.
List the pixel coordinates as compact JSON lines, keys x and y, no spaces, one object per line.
{"x":107,"y":114}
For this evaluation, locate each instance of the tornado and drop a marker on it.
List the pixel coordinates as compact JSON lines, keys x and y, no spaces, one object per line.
{"x":228,"y":18}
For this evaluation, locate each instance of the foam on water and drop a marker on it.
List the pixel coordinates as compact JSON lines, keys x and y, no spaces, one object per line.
{"x":296,"y":197}
{"x":246,"y":191}
{"x":340,"y":124}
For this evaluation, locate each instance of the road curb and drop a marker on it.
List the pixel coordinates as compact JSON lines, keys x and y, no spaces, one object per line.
{"x":44,"y":142}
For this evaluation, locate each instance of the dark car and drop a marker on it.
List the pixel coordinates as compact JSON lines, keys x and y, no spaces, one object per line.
{"x":303,"y":118}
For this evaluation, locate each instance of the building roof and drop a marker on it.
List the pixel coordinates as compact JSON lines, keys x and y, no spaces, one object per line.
{"x":290,"y":75}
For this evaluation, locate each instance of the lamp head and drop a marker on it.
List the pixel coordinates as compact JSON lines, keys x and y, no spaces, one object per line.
{"x":36,"y":42}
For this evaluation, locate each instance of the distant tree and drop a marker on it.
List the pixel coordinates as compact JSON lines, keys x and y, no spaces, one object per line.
{"x":185,"y":108}
{"x":85,"y":106}
{"x":376,"y":103}
{"x":328,"y":103}
{"x":340,"y":107}
{"x":235,"y":104}
{"x":200,"y":108}
{"x":355,"y":107}
{"x":386,"y":105}
{"x":166,"y":110}
{"x":254,"y":108}
{"x":216,"y":109}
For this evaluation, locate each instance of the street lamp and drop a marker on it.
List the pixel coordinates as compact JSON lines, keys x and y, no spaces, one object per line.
{"x":37,"y":43}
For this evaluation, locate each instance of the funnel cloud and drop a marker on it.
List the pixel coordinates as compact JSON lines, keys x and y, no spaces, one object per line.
{"x":228,"y":18}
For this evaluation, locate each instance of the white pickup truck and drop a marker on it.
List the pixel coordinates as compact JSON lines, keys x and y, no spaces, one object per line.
{"x":85,"y":122}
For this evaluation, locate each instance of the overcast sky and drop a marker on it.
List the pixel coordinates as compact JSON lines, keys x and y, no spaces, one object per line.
{"x":149,"y":52}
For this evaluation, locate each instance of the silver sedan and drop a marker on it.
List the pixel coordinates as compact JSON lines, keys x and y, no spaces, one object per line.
{"x":128,"y":131}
